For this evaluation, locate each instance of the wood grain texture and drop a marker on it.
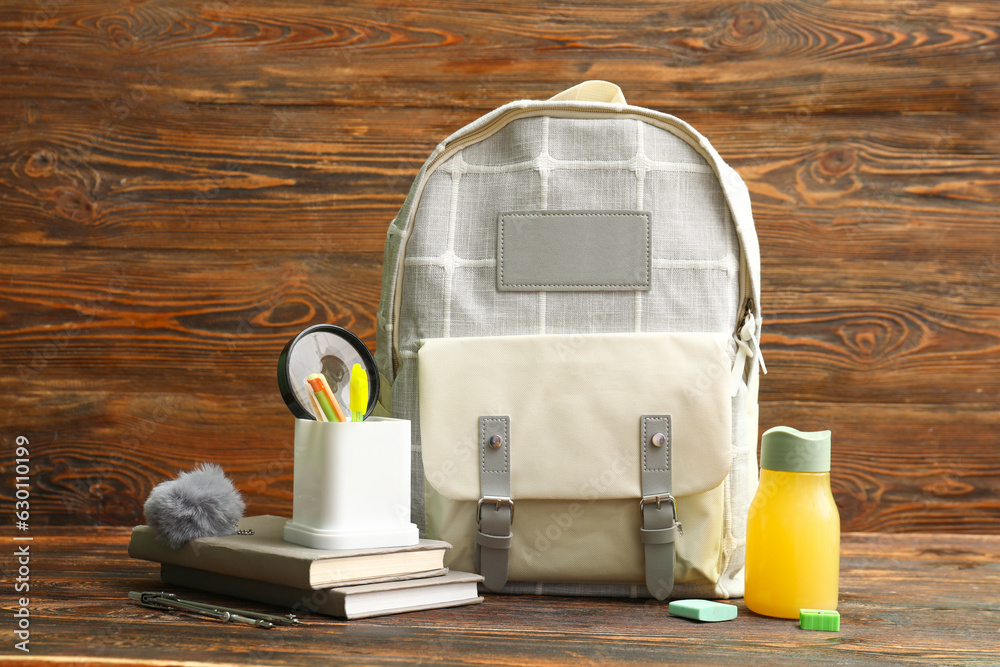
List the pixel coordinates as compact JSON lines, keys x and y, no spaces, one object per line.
{"x":929,"y":56}
{"x":904,"y":599}
{"x":184,"y":186}
{"x":819,"y":184}
{"x":896,"y":468}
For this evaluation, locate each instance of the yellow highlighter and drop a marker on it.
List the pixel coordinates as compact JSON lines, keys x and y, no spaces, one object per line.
{"x":359,"y":393}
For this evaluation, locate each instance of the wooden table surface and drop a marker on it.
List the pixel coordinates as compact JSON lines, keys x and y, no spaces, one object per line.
{"x":187,"y":184}
{"x":905,"y":599}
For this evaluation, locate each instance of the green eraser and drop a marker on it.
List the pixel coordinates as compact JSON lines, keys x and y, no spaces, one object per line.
{"x":703,"y":610}
{"x":819,"y":619}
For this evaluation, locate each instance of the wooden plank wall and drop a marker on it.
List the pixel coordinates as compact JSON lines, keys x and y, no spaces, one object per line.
{"x":185,"y":185}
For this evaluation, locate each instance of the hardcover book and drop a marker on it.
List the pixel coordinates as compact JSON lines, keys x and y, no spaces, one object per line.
{"x":361,"y":601}
{"x":265,"y":556}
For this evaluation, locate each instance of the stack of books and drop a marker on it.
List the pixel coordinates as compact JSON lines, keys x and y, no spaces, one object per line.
{"x":355,"y":583}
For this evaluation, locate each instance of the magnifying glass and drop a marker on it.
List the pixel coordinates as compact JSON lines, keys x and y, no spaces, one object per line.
{"x":331,"y":351}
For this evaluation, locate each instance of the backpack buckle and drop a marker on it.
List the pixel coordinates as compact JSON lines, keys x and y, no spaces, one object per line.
{"x":498,"y":500}
{"x":659,"y":498}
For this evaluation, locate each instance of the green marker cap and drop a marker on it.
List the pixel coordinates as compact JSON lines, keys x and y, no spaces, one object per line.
{"x":785,"y":448}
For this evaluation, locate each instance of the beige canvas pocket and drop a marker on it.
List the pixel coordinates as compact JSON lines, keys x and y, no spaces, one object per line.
{"x":574,"y":403}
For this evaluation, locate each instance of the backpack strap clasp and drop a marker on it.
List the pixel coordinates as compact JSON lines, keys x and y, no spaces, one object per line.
{"x":495,"y":510}
{"x":660,"y":527}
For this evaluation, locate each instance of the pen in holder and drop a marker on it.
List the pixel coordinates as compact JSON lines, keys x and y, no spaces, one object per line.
{"x":352,"y":485}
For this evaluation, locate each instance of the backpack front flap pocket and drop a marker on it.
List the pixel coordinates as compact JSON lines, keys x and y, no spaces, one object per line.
{"x":573,"y":406}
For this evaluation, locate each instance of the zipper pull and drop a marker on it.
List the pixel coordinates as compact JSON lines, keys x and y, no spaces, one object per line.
{"x":750,"y":331}
{"x":747,"y":346}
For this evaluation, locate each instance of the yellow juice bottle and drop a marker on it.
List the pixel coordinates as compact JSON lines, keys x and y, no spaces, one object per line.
{"x":793,"y":528}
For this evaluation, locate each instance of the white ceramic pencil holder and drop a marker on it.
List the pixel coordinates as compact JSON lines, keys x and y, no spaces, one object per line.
{"x":352,"y":485}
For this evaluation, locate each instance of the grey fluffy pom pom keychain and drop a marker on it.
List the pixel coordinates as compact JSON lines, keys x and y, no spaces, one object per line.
{"x":199,"y":503}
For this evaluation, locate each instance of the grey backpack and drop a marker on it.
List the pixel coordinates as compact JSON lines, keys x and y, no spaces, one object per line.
{"x":569,"y":317}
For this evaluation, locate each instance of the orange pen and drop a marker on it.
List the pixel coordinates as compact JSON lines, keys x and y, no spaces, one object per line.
{"x":321,"y":389}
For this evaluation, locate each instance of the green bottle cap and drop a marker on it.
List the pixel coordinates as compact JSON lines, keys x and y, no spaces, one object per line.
{"x":785,"y":448}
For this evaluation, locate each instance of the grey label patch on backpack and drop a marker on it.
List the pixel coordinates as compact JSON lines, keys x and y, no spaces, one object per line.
{"x":574,"y":250}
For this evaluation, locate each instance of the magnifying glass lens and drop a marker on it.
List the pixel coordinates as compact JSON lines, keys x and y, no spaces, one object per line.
{"x":331,"y":351}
